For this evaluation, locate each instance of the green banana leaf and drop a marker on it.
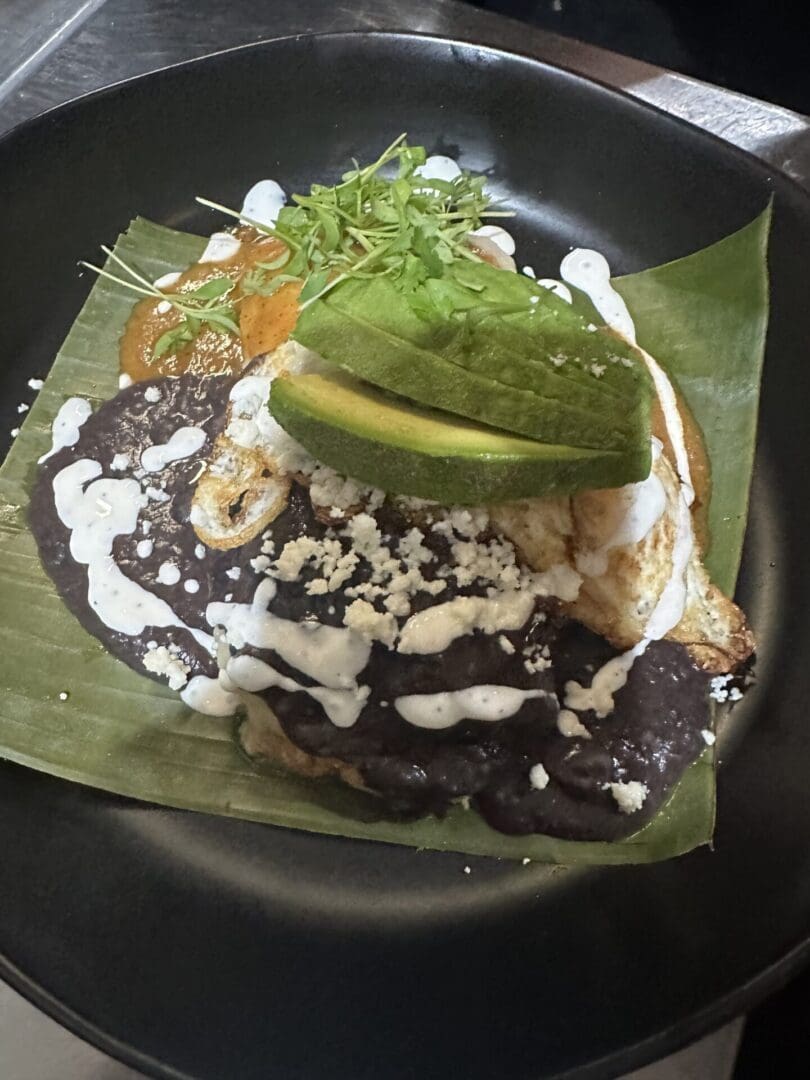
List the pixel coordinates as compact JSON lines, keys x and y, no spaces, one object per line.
{"x":704,"y":318}
{"x":123,"y":733}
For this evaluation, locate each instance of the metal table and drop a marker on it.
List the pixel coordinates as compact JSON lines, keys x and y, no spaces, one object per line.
{"x":53,"y":51}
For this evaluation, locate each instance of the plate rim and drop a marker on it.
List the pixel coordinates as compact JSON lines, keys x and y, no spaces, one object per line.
{"x":669,"y":1039}
{"x":766,"y":169}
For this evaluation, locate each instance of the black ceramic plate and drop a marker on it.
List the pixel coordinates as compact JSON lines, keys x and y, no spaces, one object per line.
{"x":208,"y":947}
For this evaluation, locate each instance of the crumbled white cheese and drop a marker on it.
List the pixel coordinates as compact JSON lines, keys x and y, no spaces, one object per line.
{"x":398,"y":604}
{"x":23,"y":407}
{"x":317,"y":587}
{"x":708,"y":737}
{"x":199,"y":551}
{"x":506,"y":644}
{"x":364,"y":534}
{"x":537,"y":658}
{"x":411,"y":548}
{"x":538,"y":777}
{"x":260,"y":563}
{"x":371,"y":624}
{"x":191,"y":585}
{"x":152,"y":393}
{"x":144,"y":548}
{"x":162,"y":662}
{"x":120,"y":462}
{"x":629,"y":795}
{"x":467,"y":870}
{"x":36,"y":384}
{"x":234,"y":573}
{"x":526,"y":861}
{"x":63,"y":695}
{"x":598,"y":370}
{"x":329,"y":488}
{"x":156,"y":494}
{"x":15,"y":431}
{"x":719,"y":688}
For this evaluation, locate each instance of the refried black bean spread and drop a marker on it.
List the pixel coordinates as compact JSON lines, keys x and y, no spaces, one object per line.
{"x":520,"y":771}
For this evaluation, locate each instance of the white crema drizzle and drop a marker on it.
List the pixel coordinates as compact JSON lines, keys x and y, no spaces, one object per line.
{"x":67,"y":424}
{"x":332,"y":655}
{"x":209,"y":696}
{"x":343,"y":707}
{"x":642,"y":506}
{"x":183,"y":443}
{"x":220,"y":247}
{"x":445,"y":709}
{"x":263,"y":203}
{"x":96,"y":511}
{"x":589,"y":271}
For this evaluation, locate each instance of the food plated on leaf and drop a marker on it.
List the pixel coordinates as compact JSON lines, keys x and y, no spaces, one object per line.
{"x":397,"y":515}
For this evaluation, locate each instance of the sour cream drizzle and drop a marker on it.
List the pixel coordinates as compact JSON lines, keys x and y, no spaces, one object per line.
{"x":95,"y":511}
{"x":209,"y":696}
{"x":220,"y":247}
{"x":183,"y":443}
{"x":641,"y":507}
{"x":332,"y":655}
{"x":341,"y":706}
{"x":445,"y":709}
{"x":66,"y":425}
{"x":589,"y":271}
{"x":263,"y":203}
{"x":557,"y":288}
{"x":439,"y":167}
{"x":435,"y":628}
{"x":498,"y":236}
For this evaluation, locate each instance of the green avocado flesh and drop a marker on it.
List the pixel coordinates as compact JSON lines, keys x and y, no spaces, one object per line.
{"x":370,"y":329}
{"x":409,"y":450}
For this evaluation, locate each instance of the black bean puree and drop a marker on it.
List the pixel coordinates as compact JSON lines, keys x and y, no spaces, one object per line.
{"x":652,"y":736}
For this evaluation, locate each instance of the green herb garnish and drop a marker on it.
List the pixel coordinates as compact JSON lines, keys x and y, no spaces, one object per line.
{"x":408,"y":227}
{"x":207,"y":305}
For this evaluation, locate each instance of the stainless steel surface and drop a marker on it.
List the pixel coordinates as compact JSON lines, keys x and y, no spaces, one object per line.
{"x":51,"y":52}
{"x":30,"y":30}
{"x":127,"y":37}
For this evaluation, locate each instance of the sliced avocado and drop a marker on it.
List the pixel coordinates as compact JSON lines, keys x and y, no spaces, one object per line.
{"x":553,"y":325}
{"x":362,"y":331}
{"x":506,"y":352}
{"x":625,"y":372}
{"x":485,"y":351}
{"x":404,"y":449}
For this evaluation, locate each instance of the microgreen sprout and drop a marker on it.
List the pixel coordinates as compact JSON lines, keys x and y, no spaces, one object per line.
{"x":403,"y":225}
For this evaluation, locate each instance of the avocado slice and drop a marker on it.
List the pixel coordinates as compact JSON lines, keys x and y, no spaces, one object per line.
{"x":408,"y":450}
{"x":547,"y":326}
{"x":366,"y":327}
